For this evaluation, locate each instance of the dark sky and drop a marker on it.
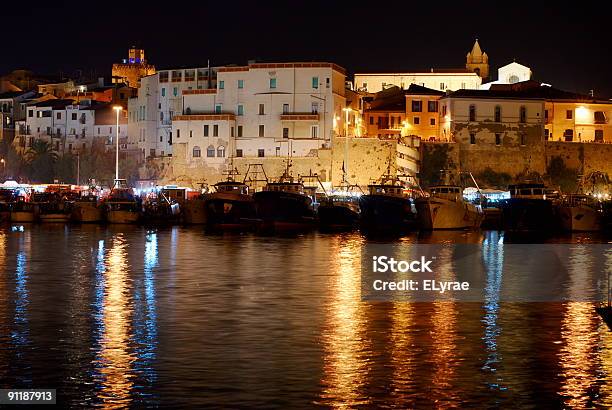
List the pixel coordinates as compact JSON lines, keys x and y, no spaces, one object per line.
{"x":568,"y":46}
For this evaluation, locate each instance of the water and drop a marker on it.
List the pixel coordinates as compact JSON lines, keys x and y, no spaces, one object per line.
{"x":125,"y":316}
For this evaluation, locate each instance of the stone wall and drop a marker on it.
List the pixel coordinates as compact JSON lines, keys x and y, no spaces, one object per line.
{"x":588,"y":156}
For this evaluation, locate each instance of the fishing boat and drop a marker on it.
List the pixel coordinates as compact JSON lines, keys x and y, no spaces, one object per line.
{"x":528,"y":208}
{"x":7,"y":197}
{"x":87,"y":209}
{"x":159,"y":208}
{"x":388,"y":206}
{"x":194,"y":210}
{"x":580,"y":213}
{"x":446,"y":208}
{"x":51,"y":207}
{"x":121,"y":206}
{"x":284,"y":204}
{"x":340,"y":210}
{"x":230,"y":206}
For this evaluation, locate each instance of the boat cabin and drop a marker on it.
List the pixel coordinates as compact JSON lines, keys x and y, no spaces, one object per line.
{"x":389,"y":190}
{"x":233,"y":187}
{"x":450,"y":192}
{"x":527,"y":191}
{"x":294,"y":187}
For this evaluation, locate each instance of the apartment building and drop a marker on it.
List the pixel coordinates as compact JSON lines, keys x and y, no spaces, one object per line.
{"x":262,"y":110}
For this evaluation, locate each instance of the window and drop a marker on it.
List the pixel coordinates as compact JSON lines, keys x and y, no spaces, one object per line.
{"x":215,"y":130}
{"x":432,"y":121}
{"x":315,"y":82}
{"x":523,"y":139}
{"x":417,"y":105}
{"x":371,"y":120}
{"x":272,"y":82}
{"x":546,"y":114}
{"x":196,"y":152}
{"x":163,"y":77}
{"x":232,"y":132}
{"x":261,"y":130}
{"x":48,"y":130}
{"x":599,"y":117}
{"x":163,"y":92}
{"x":152,"y":152}
{"x":463,"y":86}
{"x":327,"y":82}
{"x":285,"y":108}
{"x":523,"y":115}
{"x":444,"y":110}
{"x":416,"y":121}
{"x":285,"y":132}
{"x":210,"y":151}
{"x":472,"y":112}
{"x":221,"y":151}
{"x":314,"y":131}
{"x":74,"y":116}
{"x":497,"y":113}
{"x":240,"y":84}
{"x":442,"y":86}
{"x":497,"y":139}
{"x":240,"y":109}
{"x":239,"y":153}
{"x":178,"y":134}
{"x":568,"y":135}
{"x":314,"y":107}
{"x":175,"y":91}
{"x":569,"y":114}
{"x":472,"y":138}
{"x":546,"y":134}
{"x":261,"y":153}
{"x":206,"y":130}
{"x":30,"y":113}
{"x":432,"y":106}
{"x":278,"y":151}
{"x":218,"y":108}
{"x":221,"y":85}
{"x":59,"y":116}
{"x":599,"y":136}
{"x":240,"y":131}
{"x":262,"y":109}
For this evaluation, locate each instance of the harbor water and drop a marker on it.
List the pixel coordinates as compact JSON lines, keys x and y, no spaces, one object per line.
{"x":118,"y":316}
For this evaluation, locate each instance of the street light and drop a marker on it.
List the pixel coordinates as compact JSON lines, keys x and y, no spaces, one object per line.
{"x":346,"y":143}
{"x":3,"y":166}
{"x":118,"y":109}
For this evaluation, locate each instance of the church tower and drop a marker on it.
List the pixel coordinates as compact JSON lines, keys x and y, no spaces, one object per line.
{"x":478,"y":61}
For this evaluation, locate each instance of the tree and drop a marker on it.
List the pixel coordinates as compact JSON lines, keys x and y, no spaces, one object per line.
{"x":41,"y":159}
{"x":562,"y":176}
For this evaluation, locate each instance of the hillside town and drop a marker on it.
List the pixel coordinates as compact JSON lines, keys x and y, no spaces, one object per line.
{"x":186,"y":126}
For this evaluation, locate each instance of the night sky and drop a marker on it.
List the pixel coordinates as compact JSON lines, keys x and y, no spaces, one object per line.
{"x":567,"y":46}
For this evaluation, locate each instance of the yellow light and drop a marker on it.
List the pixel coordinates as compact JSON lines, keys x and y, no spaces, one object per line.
{"x":117,"y":108}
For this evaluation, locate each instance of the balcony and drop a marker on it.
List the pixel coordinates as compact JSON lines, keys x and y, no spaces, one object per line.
{"x":299,"y":116}
{"x":223,"y":116}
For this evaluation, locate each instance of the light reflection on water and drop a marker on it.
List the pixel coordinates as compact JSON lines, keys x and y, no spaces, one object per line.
{"x":134,"y":317}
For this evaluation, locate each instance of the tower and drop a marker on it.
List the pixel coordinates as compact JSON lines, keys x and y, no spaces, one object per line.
{"x":478,"y":61}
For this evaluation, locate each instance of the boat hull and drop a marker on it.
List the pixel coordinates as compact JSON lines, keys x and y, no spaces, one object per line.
{"x":337,"y":216}
{"x":23,"y":216}
{"x":439,"y":213}
{"x":229,"y":210}
{"x":5,"y":216}
{"x":580,"y":218}
{"x":121,"y":217}
{"x":386,"y":213}
{"x":87,"y":214}
{"x":54,"y":217}
{"x":280,"y":210}
{"x":524,"y":214}
{"x":194,"y":212}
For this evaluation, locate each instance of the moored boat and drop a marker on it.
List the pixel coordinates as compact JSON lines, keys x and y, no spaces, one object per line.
{"x":87,"y":209}
{"x":230,"y":206}
{"x":284,"y":204}
{"x":446,"y":208}
{"x":7,"y":197}
{"x":50,"y":207}
{"x":22,"y":211}
{"x":121,"y":206}
{"x":528,"y":209}
{"x":580,"y":213}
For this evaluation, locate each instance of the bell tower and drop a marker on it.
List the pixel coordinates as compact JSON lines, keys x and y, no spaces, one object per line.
{"x":478,"y":61}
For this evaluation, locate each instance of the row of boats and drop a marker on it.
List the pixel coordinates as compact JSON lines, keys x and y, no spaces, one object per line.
{"x":391,"y":204}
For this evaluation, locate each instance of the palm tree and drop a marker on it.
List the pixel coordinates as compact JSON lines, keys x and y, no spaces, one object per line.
{"x":41,"y":158}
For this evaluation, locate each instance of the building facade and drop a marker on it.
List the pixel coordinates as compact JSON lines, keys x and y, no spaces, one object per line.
{"x":437,"y":79}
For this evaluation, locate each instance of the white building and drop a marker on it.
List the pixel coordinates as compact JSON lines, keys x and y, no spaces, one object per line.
{"x":66,"y":126}
{"x":160,"y":97}
{"x":436,"y":79}
{"x":262,"y":110}
{"x":510,"y":74}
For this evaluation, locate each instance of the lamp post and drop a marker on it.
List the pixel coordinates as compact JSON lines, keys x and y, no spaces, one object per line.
{"x":346,"y":143}
{"x":3,"y":166}
{"x":117,"y":109}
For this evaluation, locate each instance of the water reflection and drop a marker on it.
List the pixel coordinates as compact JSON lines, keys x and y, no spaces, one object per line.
{"x":21,"y":333}
{"x":579,"y":339}
{"x":114,"y":360}
{"x":346,"y":361}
